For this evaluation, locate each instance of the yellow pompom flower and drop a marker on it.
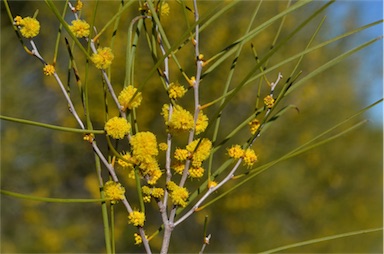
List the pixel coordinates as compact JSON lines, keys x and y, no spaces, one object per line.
{"x":201,"y":123}
{"x":212,"y":184}
{"x":192,"y":146}
{"x":138,"y":239}
{"x":136,"y":218}
{"x":196,"y":172}
{"x":144,"y":146}
{"x":202,"y":152}
{"x":144,"y":150}
{"x":146,"y":199}
{"x":254,"y":125}
{"x":176,"y":90}
{"x":80,"y":28}
{"x":153,"y":176}
{"x":235,"y":152}
{"x":30,"y":27}
{"x":125,"y":98}
{"x":181,"y":120}
{"x":179,"y":195}
{"x":192,"y":81}
{"x":79,"y":5}
{"x":164,"y":9}
{"x":117,"y":127}
{"x":163,"y":146}
{"x":146,"y":193}
{"x":49,"y":70}
{"x":103,"y":58}
{"x":249,"y":157}
{"x":146,"y":190}
{"x":181,"y":154}
{"x":114,"y":191}
{"x":165,"y":113}
{"x":149,"y":164}
{"x":154,"y":192}
{"x":158,"y":192}
{"x":89,"y":137}
{"x":171,"y":185}
{"x":131,"y":174}
{"x":127,"y":162}
{"x":178,"y":167}
{"x":17,"y":20}
{"x":269,"y":101}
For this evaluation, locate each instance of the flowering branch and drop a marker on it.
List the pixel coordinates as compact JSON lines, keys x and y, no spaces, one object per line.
{"x":137,"y":151}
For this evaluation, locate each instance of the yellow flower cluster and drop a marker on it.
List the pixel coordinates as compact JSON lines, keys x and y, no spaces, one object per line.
{"x":103,"y":58}
{"x":269,"y":101}
{"x":152,"y":192}
{"x":49,"y":70}
{"x":179,"y":195}
{"x":212,"y":184}
{"x":178,"y":167}
{"x":114,"y":191}
{"x":152,"y":172}
{"x":138,"y":239}
{"x":80,"y":28}
{"x":192,"y":81}
{"x":163,"y":146}
{"x":79,"y":5}
{"x":196,"y":172}
{"x":248,"y":155}
{"x":235,"y":152}
{"x":126,"y":95}
{"x":176,"y":90}
{"x":201,"y":123}
{"x":197,"y":157}
{"x":181,"y":154}
{"x":254,"y":125}
{"x":202,"y":152}
{"x":117,"y":127}
{"x":89,"y":137}
{"x":144,"y":146}
{"x":181,"y":120}
{"x":127,"y":163}
{"x":29,"y":27}
{"x":18,"y":20}
{"x":164,"y":9}
{"x":144,"y":151}
{"x":136,"y":218}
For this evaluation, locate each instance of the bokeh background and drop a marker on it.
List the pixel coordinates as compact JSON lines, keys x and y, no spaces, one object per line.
{"x":333,"y":189}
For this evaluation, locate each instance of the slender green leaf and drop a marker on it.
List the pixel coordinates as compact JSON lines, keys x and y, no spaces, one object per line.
{"x":322,"y":239}
{"x":51,"y":200}
{"x":50,"y":126}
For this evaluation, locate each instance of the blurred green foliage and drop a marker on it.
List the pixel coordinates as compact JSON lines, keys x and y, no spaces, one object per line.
{"x":333,"y":189}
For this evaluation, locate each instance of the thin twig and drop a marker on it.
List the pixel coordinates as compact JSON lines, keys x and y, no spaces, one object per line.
{"x":209,"y":192}
{"x":206,"y":242}
{"x":72,"y":109}
{"x":199,"y":67}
